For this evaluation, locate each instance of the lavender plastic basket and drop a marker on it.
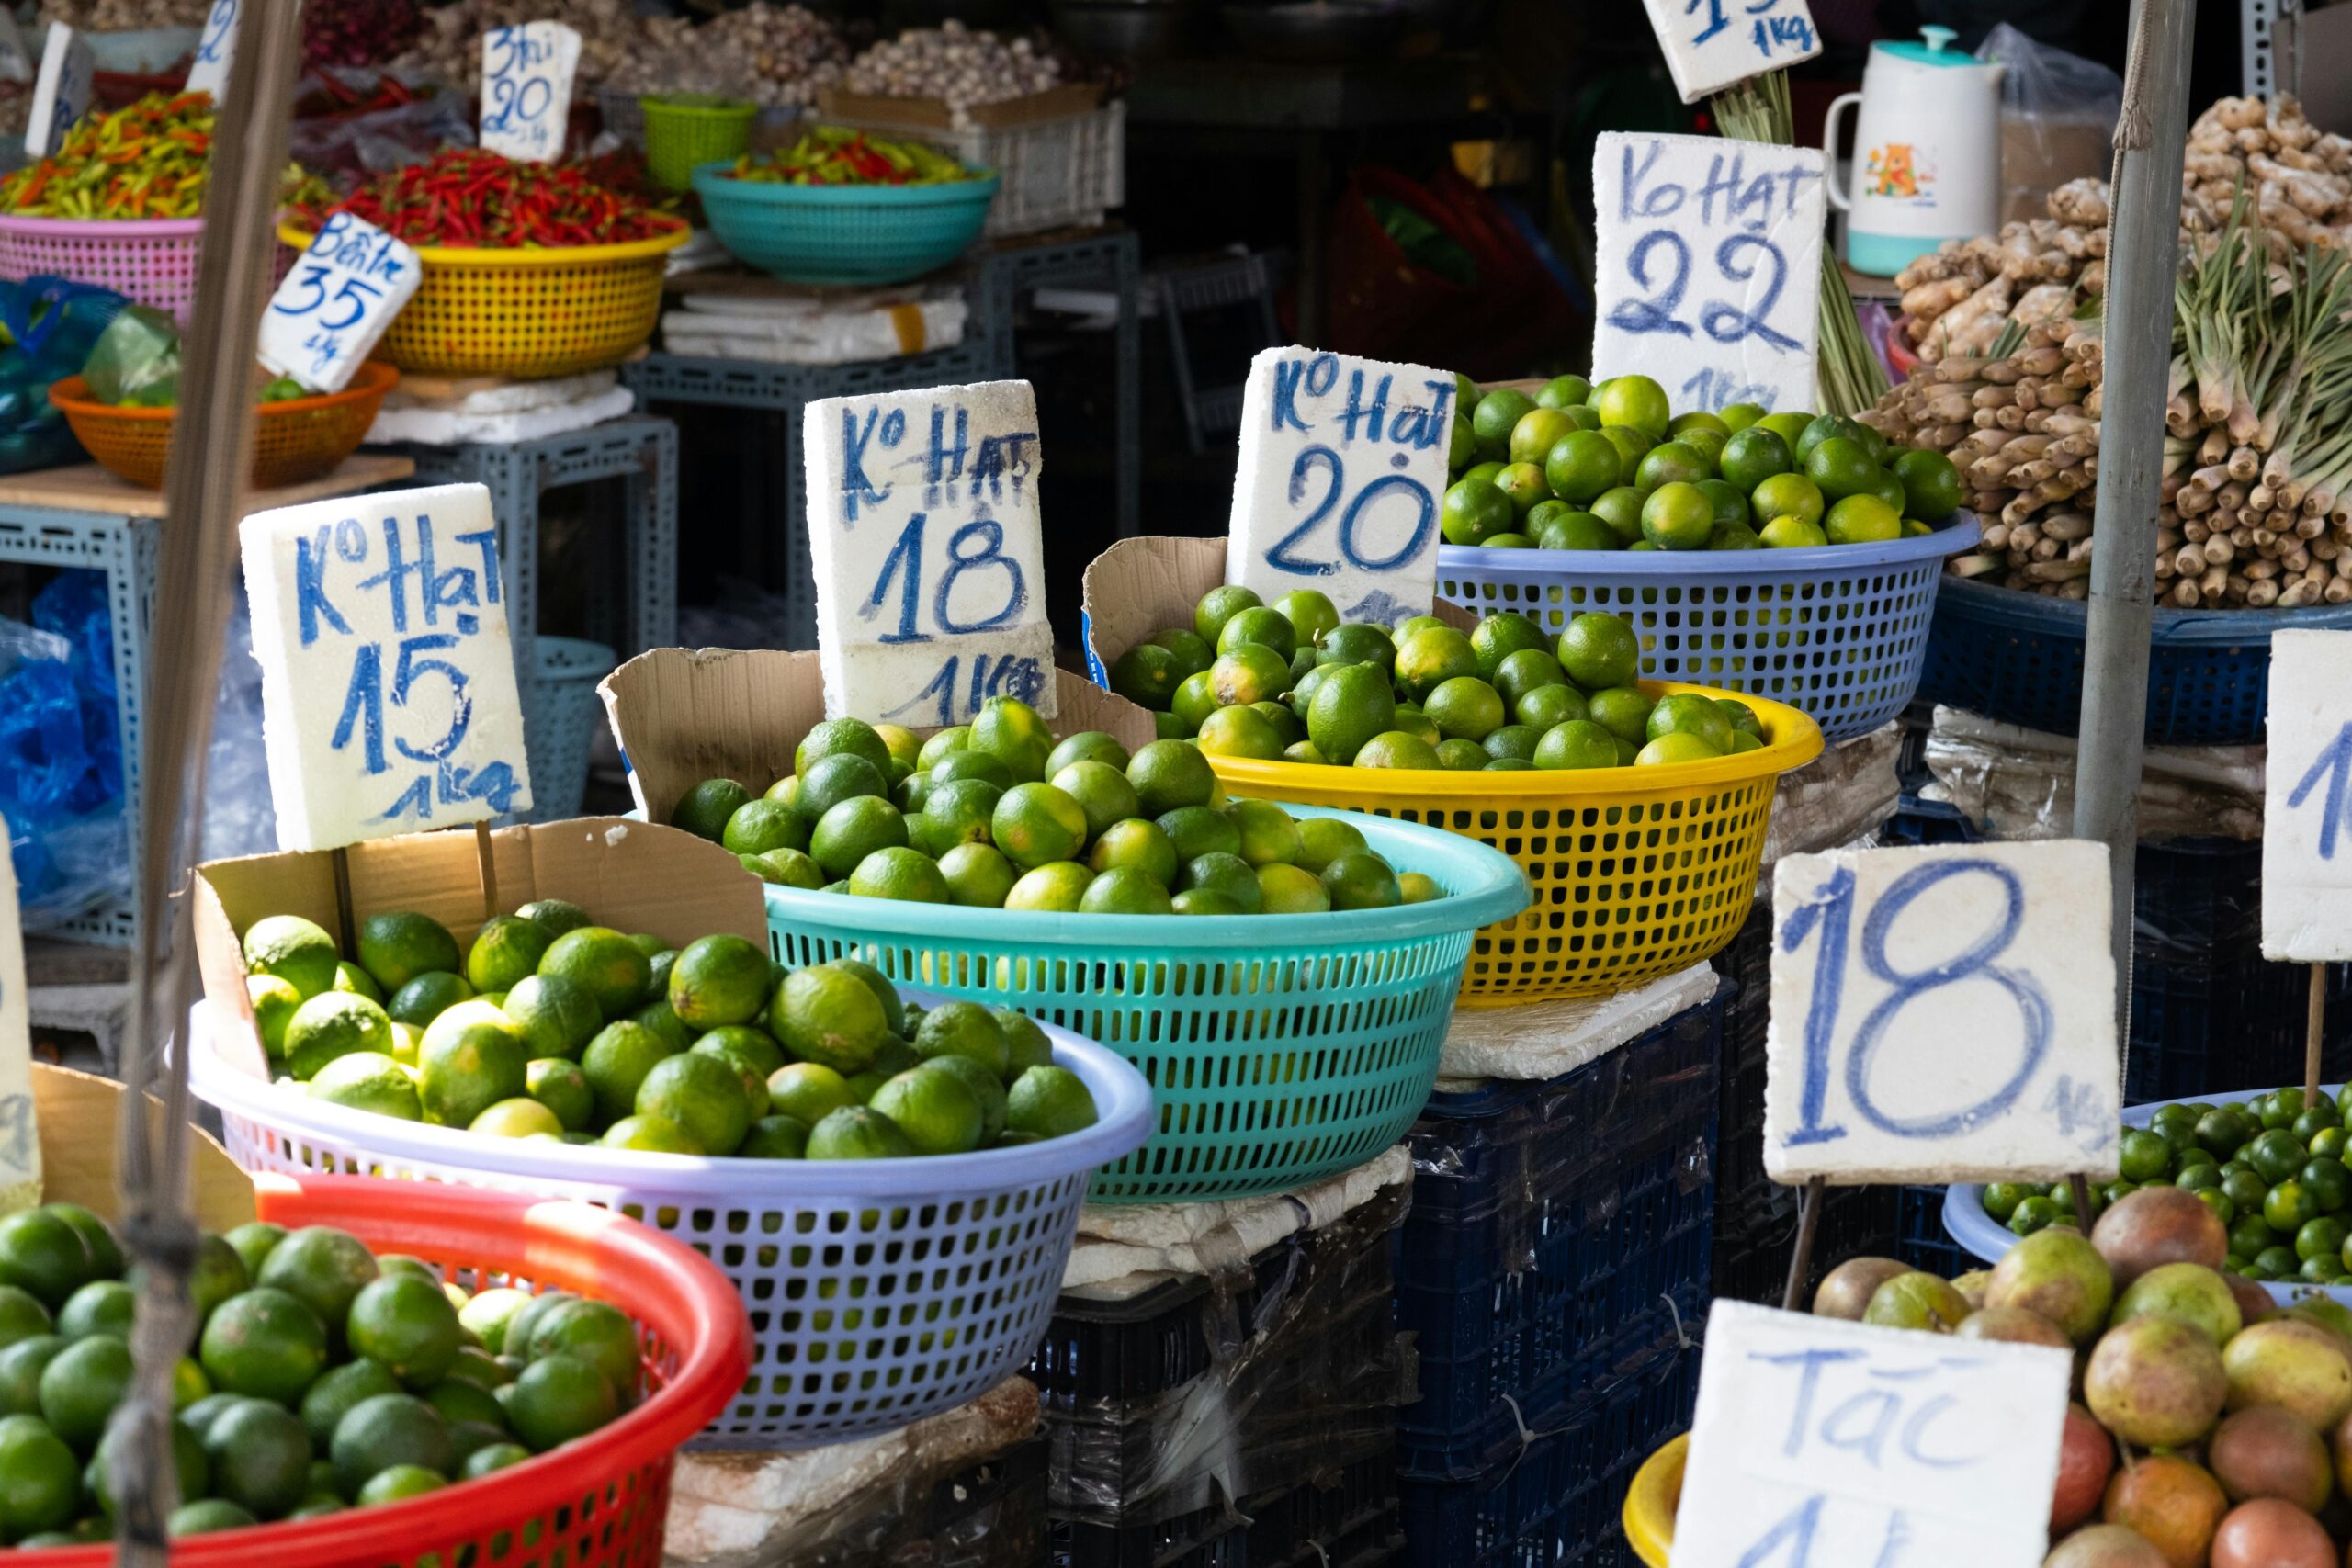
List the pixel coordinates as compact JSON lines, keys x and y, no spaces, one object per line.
{"x":1838,"y":632}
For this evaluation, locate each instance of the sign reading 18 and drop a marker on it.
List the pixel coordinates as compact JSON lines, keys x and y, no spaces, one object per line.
{"x":1366,"y":420}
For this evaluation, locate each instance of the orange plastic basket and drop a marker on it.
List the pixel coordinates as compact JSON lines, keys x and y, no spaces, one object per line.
{"x":301,"y":439}
{"x":598,"y":1500}
{"x":528,"y":312}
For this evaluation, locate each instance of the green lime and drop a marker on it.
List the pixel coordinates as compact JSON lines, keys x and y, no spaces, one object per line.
{"x":808,"y":1092}
{"x":385,"y":1431}
{"x":274,"y":1002}
{"x":1678,"y":516}
{"x":369,"y":1081}
{"x":259,"y":1458}
{"x":1430,"y":656}
{"x":1523,"y":486}
{"x":958,"y":812}
{"x":1260,"y":625}
{"x":1635,"y":402}
{"x":505,"y":950}
{"x":1496,"y":414}
{"x":650,"y":1134}
{"x":760,"y":826}
{"x":718,"y":980}
{"x":1034,"y":823}
{"x":607,"y":965}
{"x":1227,"y":875}
{"x":1011,"y":731}
{"x":322,"y":1266}
{"x":2277,"y":1153}
{"x":423,"y":997}
{"x":81,"y":1386}
{"x":40,"y":1480}
{"x":1465,"y":708}
{"x":701,"y":1094}
{"x":775,"y":1137}
{"x":661,"y":1021}
{"x":1841,"y":466}
{"x":1147,"y":675}
{"x":470,"y":1059}
{"x":1931,"y":485}
{"x":1790,"y":531}
{"x":205,"y":1517}
{"x":854,"y":829}
{"x":560,"y":1085}
{"x":1564,"y":391}
{"x":1166,"y":774}
{"x":219,"y":1273}
{"x":963,"y":1029}
{"x":1051,"y":1103}
{"x":828,"y":1014}
{"x":1248,"y":673}
{"x":1787,"y":496}
{"x":1102,"y":791}
{"x":1578,"y":743}
{"x":22,"y":1316}
{"x":297,"y":951}
{"x":487,"y":1315}
{"x":190,"y":1468}
{"x":1268,"y":833}
{"x":1288,"y":890}
{"x":841,"y":737}
{"x":1196,"y":831}
{"x":2288,"y":1208}
{"x":1219,"y":605}
{"x":858,"y":1132}
{"x":1546,"y":708}
{"x":1671,"y":462}
{"x":1353,"y":703}
{"x":349,"y":976}
{"x":836,"y":779}
{"x":337,"y":1390}
{"x":978,"y":875}
{"x":21,"y":1365}
{"x":1241,"y":732}
{"x":938,"y":1113}
{"x":1310,"y":613}
{"x":1597,"y":649}
{"x":557,"y":1398}
{"x":556,"y":916}
{"x":1139,"y":844}
{"x":521,"y":1117}
{"x":555,"y":1015}
{"x":2324,"y":1176}
{"x":1862,"y":520}
{"x":1124,"y":890}
{"x":1360,"y":880}
{"x":703,"y":810}
{"x":616,"y":1062}
{"x":1056,"y":887}
{"x":332,"y":1024}
{"x":266,"y":1343}
{"x":1397,"y":749}
{"x":1498,"y":638}
{"x":1679,"y":747}
{"x":1753,"y":455}
{"x":597,"y":1333}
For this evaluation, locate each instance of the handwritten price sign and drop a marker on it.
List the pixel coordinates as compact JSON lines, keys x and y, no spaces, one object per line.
{"x":2307,"y":800}
{"x":1942,"y":1014}
{"x":216,"y":49}
{"x":527,"y":89}
{"x":388,"y":681}
{"x":20,"y":1136}
{"x":1711,"y":44}
{"x":1707,"y":266}
{"x":1341,"y":470}
{"x":337,"y":301}
{"x":61,"y":92}
{"x":1820,"y":1443}
{"x":929,"y":552}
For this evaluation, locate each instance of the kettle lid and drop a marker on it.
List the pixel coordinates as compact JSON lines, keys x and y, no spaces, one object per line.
{"x":1937,"y":51}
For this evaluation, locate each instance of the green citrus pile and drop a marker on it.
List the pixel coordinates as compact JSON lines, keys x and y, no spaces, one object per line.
{"x":321,"y":1377}
{"x":1579,"y":466}
{"x":1289,"y":682}
{"x":998,"y":814}
{"x":552,"y":1028}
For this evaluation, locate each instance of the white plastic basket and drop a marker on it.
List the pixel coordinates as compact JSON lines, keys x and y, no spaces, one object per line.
{"x":1057,"y":174}
{"x":880,"y":1292}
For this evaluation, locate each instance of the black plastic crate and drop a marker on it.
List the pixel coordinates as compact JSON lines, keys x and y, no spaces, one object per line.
{"x":1555,"y":1501}
{"x":990,"y":1514}
{"x":1557,"y":1228}
{"x":1352,"y":1518}
{"x":1923,"y":1242}
{"x":1270,"y":1374}
{"x":1752,"y":1265}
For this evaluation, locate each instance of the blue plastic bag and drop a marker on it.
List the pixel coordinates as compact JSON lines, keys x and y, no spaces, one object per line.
{"x":48,"y":327}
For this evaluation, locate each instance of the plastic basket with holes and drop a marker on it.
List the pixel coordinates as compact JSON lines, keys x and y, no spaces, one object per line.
{"x":1839,"y":631}
{"x":880,"y":1292}
{"x":1280,"y":1049}
{"x":1637,"y":872}
{"x":294,"y":441}
{"x":601,"y":1501}
{"x":150,"y":261}
{"x":851,"y":234}
{"x":528,"y":312}
{"x":562,"y":718}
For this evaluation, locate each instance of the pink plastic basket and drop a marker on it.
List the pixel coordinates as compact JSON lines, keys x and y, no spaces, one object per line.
{"x":150,"y":260}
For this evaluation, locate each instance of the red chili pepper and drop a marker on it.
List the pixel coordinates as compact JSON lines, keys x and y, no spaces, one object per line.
{"x":468,"y":196}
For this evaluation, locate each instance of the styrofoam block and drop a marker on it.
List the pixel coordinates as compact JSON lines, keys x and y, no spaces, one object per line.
{"x":1543,"y":1040}
{"x":2307,"y":799}
{"x":1712,"y":44}
{"x":443,"y":428}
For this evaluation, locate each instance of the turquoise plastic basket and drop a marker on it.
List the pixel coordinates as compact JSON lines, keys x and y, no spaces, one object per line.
{"x":867,"y":234}
{"x":1281,"y":1049}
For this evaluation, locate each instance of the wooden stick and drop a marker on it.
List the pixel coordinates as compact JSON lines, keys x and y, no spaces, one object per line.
{"x":2314,"y":1022}
{"x":2086,"y":1207}
{"x":488,"y":862}
{"x":1800,"y":1261}
{"x":350,"y":931}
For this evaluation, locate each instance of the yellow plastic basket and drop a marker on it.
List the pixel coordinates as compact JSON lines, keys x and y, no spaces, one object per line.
{"x":1653,"y":1500}
{"x":526,"y":312}
{"x":1638,"y":871}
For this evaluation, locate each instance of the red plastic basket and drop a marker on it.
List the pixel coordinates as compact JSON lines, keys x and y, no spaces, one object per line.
{"x":599,"y":1500}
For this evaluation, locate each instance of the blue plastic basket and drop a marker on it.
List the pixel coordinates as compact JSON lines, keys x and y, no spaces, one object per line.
{"x":1281,"y":1049}
{"x":864,"y":234}
{"x":1837,"y":631}
{"x":1556,"y":1229}
{"x":2018,"y":656}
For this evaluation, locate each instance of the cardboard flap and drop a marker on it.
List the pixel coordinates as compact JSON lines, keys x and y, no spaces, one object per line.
{"x":76,"y":1113}
{"x":686,"y":714}
{"x":1139,"y":586}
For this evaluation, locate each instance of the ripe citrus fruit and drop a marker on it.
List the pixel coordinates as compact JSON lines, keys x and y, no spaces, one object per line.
{"x":650,"y":1134}
{"x":1465,"y":708}
{"x":1258,"y":624}
{"x":765,"y":825}
{"x":1049,"y":1103}
{"x":274,"y":1001}
{"x":1011,"y":731}
{"x":1138,"y":843}
{"x":1267,"y":832}
{"x":1219,"y":605}
{"x":1578,"y":743}
{"x":978,"y":875}
{"x":1169,"y":775}
{"x":616,"y":1062}
{"x":1087,"y":745}
{"x":1791,"y":532}
{"x":808,"y":1092}
{"x":1931,"y":485}
{"x":337,"y":1391}
{"x":332,"y":1024}
{"x":405,"y":1325}
{"x":1681,"y":746}
{"x":938,"y":1113}
{"x":426,"y":997}
{"x":1671,"y":462}
{"x":854,"y":829}
{"x":371,"y":1081}
{"x":604,"y":962}
{"x":1599,"y":650}
{"x":1034,"y":823}
{"x":841,"y":737}
{"x":900,"y":873}
{"x":1475,"y":511}
{"x":1310,"y":612}
{"x":1429,"y":656}
{"x":384,"y":1431}
{"x":1323,"y":839}
{"x":1546,"y":707}
{"x":1497,"y":636}
{"x":1497,"y":413}
{"x":562,"y":1087}
{"x":703,"y":810}
{"x":963,"y":1029}
{"x":1523,"y":486}
{"x":701,"y":1094}
{"x":1564,"y":391}
{"x":1355,"y":703}
{"x":1678,"y":516}
{"x":1841,"y":466}
{"x":1686,"y":713}
{"x":1862,"y":520}
{"x":297,"y":951}
{"x":555,"y":1016}
{"x":1635,"y":402}
{"x":1397,"y":749}
{"x":1360,"y":880}
{"x":718,"y":980}
{"x":264,"y":1343}
{"x":470,"y":1058}
{"x":857,"y":1132}
{"x":825,"y":1014}
{"x":1124,"y":890}
{"x":1248,"y":673}
{"x":1227,"y":875}
{"x":1537,"y":432}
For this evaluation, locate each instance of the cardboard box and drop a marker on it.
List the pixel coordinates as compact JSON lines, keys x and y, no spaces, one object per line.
{"x":629,"y":875}
{"x":1138,"y":586}
{"x":76,"y":1113}
{"x":921,"y":114}
{"x":683,"y":715}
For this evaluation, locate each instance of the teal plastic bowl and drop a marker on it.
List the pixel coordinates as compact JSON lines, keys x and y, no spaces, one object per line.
{"x":1281,"y":1049}
{"x":867,"y":234}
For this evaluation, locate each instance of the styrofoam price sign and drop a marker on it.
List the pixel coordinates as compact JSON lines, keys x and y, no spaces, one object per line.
{"x":527,"y":89}
{"x":1341,"y":472}
{"x":216,"y":48}
{"x":336,"y":301}
{"x":1821,"y":1443}
{"x":1707,"y":265}
{"x":1942,"y":1014}
{"x":929,"y":552}
{"x":2307,"y":799}
{"x":388,"y":681}
{"x":1712,"y":44}
{"x":61,"y":92}
{"x":19,"y":1134}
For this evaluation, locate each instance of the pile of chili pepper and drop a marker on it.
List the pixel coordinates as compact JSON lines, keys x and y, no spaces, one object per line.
{"x":835,"y":155}
{"x":152,"y":159}
{"x":465,"y":196}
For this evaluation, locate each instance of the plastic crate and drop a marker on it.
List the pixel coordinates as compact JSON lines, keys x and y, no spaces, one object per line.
{"x":1556,"y":1228}
{"x":1921,"y":1239}
{"x":866,"y":235}
{"x":561,"y":716}
{"x":1059,"y":173}
{"x":947,"y":1267}
{"x":1551,"y":1501}
{"x":1838,"y":631}
{"x":2018,"y":657}
{"x":1350,"y":1521}
{"x":1280,"y":1049}
{"x":1166,"y":1409}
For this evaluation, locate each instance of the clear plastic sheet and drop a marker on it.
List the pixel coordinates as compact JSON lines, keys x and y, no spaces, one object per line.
{"x":136,"y":361}
{"x":2057,"y":112}
{"x":240,"y":817}
{"x":345,"y":147}
{"x":2012,"y":783}
{"x":1837,"y":797}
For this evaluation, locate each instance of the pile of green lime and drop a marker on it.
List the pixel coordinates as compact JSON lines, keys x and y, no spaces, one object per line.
{"x":550,"y":1028}
{"x":322,"y":1377}
{"x":2272,"y":1167}
{"x":1612,"y":467}
{"x":1289,"y":682}
{"x":997,"y":814}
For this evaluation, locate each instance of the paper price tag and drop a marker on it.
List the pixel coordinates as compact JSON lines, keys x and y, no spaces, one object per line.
{"x":1341,"y":471}
{"x":1707,"y":265}
{"x":20,"y":1132}
{"x":1820,"y":1443}
{"x":61,"y":92}
{"x":1942,"y":1014}
{"x":387,"y":682}
{"x":1711,"y":44}
{"x":929,"y":552}
{"x":2307,"y":800}
{"x":527,"y":89}
{"x":216,"y":49}
{"x":337,"y":301}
